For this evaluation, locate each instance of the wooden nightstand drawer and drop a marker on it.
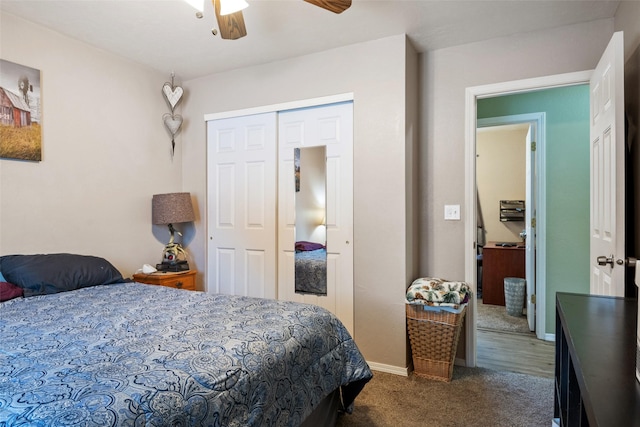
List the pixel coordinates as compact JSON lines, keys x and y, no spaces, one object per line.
{"x":182,"y":280}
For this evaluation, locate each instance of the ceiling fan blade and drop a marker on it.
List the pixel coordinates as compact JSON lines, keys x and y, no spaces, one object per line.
{"x":335,"y":6}
{"x":231,"y":26}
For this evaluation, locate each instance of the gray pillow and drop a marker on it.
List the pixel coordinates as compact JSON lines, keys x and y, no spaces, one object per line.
{"x":52,"y":273}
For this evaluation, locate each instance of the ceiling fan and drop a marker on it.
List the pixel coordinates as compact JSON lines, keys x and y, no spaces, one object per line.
{"x":232,"y":25}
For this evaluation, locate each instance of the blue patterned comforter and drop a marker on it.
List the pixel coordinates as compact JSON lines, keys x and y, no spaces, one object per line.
{"x":140,"y":355}
{"x":311,"y":272}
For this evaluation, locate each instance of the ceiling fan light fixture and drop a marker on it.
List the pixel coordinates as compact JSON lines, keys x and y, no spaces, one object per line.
{"x":228,"y":7}
{"x":196,"y":4}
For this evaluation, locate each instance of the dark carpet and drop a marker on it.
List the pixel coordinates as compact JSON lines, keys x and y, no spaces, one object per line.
{"x":475,"y":397}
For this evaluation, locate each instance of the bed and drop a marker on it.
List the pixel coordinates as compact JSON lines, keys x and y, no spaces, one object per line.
{"x":119,"y":353}
{"x":311,"y":268}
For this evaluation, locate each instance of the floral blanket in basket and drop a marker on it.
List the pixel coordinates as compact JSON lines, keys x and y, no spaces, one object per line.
{"x":438,"y":292}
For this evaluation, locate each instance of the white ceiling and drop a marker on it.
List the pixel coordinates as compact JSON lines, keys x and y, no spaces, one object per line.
{"x":166,"y":35}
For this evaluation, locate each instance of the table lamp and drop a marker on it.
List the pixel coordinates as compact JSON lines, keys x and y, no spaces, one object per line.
{"x":169,"y":209}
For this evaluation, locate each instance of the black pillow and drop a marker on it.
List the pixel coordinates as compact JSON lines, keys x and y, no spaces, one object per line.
{"x":52,"y":273}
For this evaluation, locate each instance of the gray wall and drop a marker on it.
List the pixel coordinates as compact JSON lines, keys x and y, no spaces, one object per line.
{"x":376,"y":73}
{"x":105,"y":152}
{"x":446,"y":75}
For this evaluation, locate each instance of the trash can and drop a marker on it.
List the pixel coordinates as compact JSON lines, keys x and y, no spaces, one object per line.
{"x":514,"y":289}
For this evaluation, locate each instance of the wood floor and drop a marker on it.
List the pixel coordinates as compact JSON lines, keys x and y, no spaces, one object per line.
{"x":514,"y":352}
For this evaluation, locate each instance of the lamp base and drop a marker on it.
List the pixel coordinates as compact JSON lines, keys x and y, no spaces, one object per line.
{"x":173,"y":267}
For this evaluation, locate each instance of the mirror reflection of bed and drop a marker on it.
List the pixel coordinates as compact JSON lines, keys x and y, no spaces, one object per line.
{"x":311,"y":268}
{"x":310,"y":228}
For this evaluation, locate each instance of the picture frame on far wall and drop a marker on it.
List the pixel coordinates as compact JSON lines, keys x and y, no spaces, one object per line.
{"x":20,"y":112}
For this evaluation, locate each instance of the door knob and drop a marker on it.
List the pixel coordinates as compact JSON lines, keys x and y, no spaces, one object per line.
{"x":603,"y":260}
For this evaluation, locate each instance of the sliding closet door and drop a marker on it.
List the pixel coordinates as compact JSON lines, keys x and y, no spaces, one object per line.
{"x":241,"y":186}
{"x":330,"y":126}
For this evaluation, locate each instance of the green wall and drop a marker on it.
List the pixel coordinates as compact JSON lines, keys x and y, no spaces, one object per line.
{"x":567,"y":187}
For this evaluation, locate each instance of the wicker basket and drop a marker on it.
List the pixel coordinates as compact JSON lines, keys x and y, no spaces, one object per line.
{"x":434,"y":340}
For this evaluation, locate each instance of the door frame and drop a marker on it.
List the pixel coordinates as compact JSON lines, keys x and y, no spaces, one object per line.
{"x":536,"y":185}
{"x":472,"y":94}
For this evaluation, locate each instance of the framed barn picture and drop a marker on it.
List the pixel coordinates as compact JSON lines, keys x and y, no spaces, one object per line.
{"x":20,"y":112}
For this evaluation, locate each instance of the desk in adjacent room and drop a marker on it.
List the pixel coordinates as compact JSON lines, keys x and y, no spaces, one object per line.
{"x":499,"y":262}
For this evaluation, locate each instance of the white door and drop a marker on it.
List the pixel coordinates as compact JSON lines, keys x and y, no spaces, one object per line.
{"x":607,"y":172}
{"x":331,"y":126}
{"x":241,"y":186}
{"x":530,"y":214}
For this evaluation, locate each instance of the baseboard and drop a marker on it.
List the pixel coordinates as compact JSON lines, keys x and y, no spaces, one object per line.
{"x":398,"y":370}
{"x":550,"y":337}
{"x":459,"y":362}
{"x":389,"y":369}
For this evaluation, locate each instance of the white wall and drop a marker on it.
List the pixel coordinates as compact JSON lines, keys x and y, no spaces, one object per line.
{"x":375,"y":73}
{"x":104,"y":154}
{"x":500,"y":174}
{"x":446,"y":73}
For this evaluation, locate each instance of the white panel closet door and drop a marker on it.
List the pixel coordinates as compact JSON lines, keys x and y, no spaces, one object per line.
{"x":241,"y":164}
{"x":330,"y":126}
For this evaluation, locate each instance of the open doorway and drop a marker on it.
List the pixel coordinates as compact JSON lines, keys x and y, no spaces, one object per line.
{"x":506,"y":177}
{"x":569,"y":171}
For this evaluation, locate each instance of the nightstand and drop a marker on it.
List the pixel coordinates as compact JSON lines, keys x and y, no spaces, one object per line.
{"x":180,"y":280}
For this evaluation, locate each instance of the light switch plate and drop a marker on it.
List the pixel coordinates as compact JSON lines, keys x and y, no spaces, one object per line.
{"x":452,"y":212}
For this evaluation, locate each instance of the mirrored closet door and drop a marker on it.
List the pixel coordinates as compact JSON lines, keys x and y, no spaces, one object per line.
{"x":312,"y":131}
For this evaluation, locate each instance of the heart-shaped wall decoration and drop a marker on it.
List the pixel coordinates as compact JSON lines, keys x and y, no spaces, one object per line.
{"x":172,"y":122}
{"x":172,"y":94}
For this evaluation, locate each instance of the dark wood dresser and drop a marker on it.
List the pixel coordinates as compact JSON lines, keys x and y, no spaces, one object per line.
{"x":499,"y":262}
{"x":595,"y":382}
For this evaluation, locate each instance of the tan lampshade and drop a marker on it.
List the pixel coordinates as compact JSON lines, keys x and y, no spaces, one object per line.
{"x":172,"y":208}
